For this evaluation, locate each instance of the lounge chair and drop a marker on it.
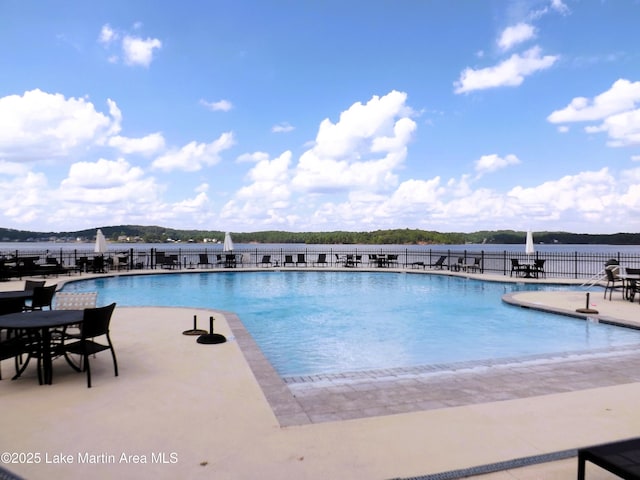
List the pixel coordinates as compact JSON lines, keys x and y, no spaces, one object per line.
{"x":75,"y":300}
{"x":266,"y":261}
{"x":340,"y":259}
{"x":439,"y":265}
{"x":301,"y":260}
{"x":321,"y":260}
{"x":288,"y":259}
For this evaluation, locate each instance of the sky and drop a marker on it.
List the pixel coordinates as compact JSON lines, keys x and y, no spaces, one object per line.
{"x":320,"y":115}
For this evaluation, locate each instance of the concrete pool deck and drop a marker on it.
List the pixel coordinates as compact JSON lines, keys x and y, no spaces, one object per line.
{"x":220,"y":411}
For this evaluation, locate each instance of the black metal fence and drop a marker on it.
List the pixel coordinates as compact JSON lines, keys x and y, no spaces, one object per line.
{"x":574,"y":265}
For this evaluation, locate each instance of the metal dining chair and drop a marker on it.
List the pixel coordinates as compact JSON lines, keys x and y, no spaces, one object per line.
{"x":95,"y":324}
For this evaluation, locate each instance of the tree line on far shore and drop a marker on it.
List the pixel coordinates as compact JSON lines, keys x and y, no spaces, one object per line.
{"x":155,"y":234}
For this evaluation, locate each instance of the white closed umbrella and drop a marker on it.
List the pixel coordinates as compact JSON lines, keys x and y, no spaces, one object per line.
{"x":228,"y":243}
{"x":101,"y":243}
{"x":529,"y":249}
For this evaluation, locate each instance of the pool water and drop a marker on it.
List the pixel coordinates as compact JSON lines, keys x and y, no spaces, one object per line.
{"x":329,"y":322}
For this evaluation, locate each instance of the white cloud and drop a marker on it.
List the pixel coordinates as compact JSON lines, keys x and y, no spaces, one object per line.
{"x":622,"y":96}
{"x":148,"y":145}
{"x":623,"y":129}
{"x":616,"y":107}
{"x":560,"y":7}
{"x":40,"y":125}
{"x":25,"y":198}
{"x":584,"y":193}
{"x":13,"y":169}
{"x":107,"y":191}
{"x":508,"y":73}
{"x":138,"y":51}
{"x":192,"y":205}
{"x":493,"y":162}
{"x":283,"y":127}
{"x":515,"y":35}
{"x":557,"y":6}
{"x":254,"y":157}
{"x":219,"y":106}
{"x":194,"y":156}
{"x":107,"y":35}
{"x":268,"y":194}
{"x":101,"y":174}
{"x":362,"y":150}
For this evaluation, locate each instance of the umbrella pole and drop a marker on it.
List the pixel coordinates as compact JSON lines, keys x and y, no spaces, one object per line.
{"x":211,"y":338}
{"x":195,"y":330}
{"x":587,"y":309}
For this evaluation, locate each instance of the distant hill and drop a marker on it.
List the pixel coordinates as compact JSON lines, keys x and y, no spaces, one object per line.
{"x":155,"y":234}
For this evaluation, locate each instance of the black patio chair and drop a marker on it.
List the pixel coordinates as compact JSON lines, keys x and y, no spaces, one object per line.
{"x":42,"y":297}
{"x":204,"y":260}
{"x":95,"y":324}
{"x":30,"y":285}
{"x":538,"y":267}
{"x":14,"y":344}
{"x":517,"y":268}
{"x":614,"y":282}
{"x":321,"y":260}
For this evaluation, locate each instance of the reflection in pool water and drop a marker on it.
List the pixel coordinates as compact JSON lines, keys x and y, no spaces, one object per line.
{"x":329,"y":322}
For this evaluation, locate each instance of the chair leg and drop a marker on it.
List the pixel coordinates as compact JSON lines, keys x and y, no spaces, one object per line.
{"x":115,"y":362}
{"x":88,"y":369}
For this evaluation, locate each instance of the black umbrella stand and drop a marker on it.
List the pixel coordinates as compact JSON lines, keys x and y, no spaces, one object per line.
{"x":195,"y":330}
{"x":587,"y":309}
{"x":211,"y":338}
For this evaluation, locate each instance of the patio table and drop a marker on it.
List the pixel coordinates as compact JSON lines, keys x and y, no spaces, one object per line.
{"x":628,"y":280}
{"x":43,"y":321}
{"x":620,"y":458}
{"x":16,"y":294}
{"x":13,"y":295}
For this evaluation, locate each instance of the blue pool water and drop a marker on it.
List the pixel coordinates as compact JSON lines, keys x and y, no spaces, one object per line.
{"x":329,"y":322}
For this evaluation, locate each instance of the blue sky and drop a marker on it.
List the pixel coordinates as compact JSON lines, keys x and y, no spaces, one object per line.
{"x":455,"y":116}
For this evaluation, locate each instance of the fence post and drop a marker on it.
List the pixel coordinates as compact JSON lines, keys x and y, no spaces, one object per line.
{"x":504,"y":262}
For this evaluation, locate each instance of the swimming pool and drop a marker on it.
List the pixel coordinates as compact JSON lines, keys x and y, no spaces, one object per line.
{"x":310,"y":323}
